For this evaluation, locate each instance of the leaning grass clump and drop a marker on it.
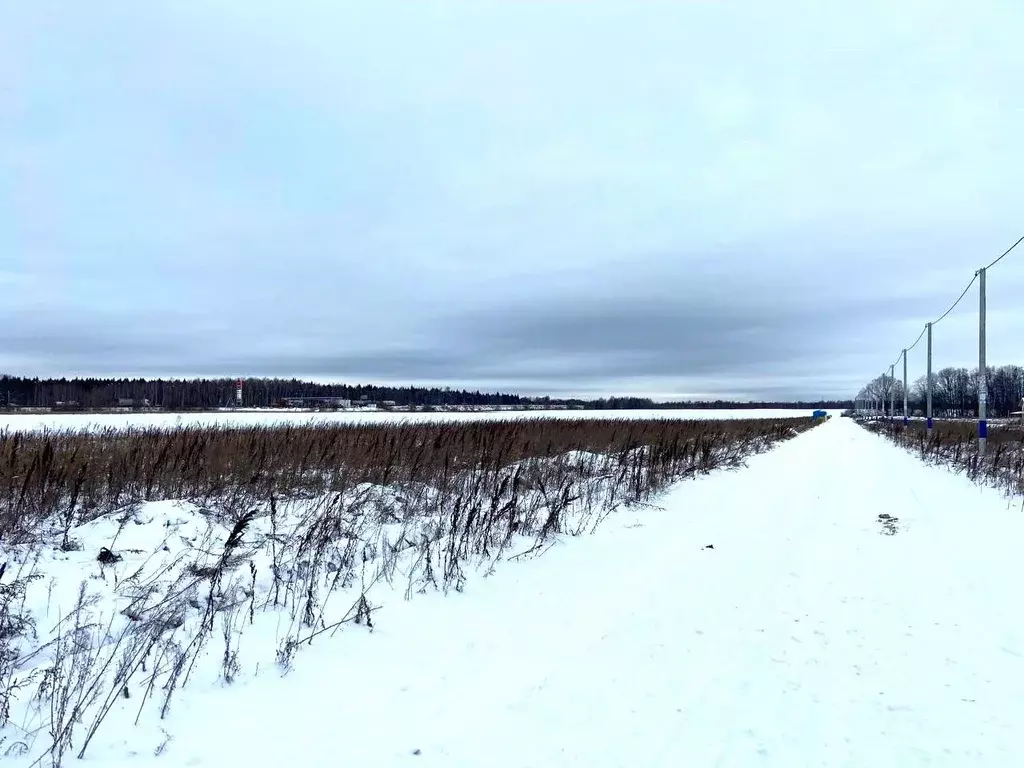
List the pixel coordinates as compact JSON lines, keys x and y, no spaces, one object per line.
{"x":300,"y":524}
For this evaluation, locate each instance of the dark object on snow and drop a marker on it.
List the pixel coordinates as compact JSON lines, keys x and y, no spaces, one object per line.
{"x":888,"y":522}
{"x":417,"y":752}
{"x":710,"y":546}
{"x":106,"y":556}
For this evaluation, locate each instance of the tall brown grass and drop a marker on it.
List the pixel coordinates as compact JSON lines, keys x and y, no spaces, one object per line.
{"x":79,"y":476}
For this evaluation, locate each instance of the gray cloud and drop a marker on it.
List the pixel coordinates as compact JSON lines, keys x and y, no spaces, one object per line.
{"x":669,"y":198}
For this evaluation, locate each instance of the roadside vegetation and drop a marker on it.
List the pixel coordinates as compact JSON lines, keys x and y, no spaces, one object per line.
{"x":136,"y":562}
{"x":954,"y":443}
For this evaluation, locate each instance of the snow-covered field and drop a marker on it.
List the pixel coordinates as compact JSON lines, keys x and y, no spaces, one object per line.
{"x":96,"y":421}
{"x":767,"y":616}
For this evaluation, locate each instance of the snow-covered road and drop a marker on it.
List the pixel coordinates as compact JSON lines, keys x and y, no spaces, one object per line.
{"x":805,"y":637}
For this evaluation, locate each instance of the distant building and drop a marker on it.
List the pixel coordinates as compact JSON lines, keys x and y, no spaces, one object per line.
{"x":133,"y":402}
{"x":316,"y":402}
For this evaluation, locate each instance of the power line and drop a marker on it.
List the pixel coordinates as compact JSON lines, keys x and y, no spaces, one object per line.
{"x":1005,"y":252}
{"x":943,"y":315}
{"x":921,"y":336}
{"x":935,"y":322}
{"x":955,"y":303}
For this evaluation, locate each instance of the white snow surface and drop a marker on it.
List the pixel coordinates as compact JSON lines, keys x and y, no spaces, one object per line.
{"x":26,"y":422}
{"x":807,"y":636}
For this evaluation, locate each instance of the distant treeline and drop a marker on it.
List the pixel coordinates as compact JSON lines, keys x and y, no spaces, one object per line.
{"x":632,"y":403}
{"x":954,"y":392}
{"x":174,"y":394}
{"x":190,"y":394}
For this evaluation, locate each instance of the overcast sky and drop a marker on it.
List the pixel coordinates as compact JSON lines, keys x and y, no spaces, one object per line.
{"x":675,"y":199}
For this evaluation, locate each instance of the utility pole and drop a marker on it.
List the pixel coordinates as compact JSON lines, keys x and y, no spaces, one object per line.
{"x":982,"y":371}
{"x":906,"y":414}
{"x":892,"y":392}
{"x":929,"y":382}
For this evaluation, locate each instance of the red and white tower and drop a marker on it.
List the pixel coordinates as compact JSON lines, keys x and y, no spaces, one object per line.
{"x":238,"y":393}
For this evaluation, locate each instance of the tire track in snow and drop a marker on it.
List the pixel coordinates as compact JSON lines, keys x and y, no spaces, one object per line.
{"x":764,"y":635}
{"x":689,"y":631}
